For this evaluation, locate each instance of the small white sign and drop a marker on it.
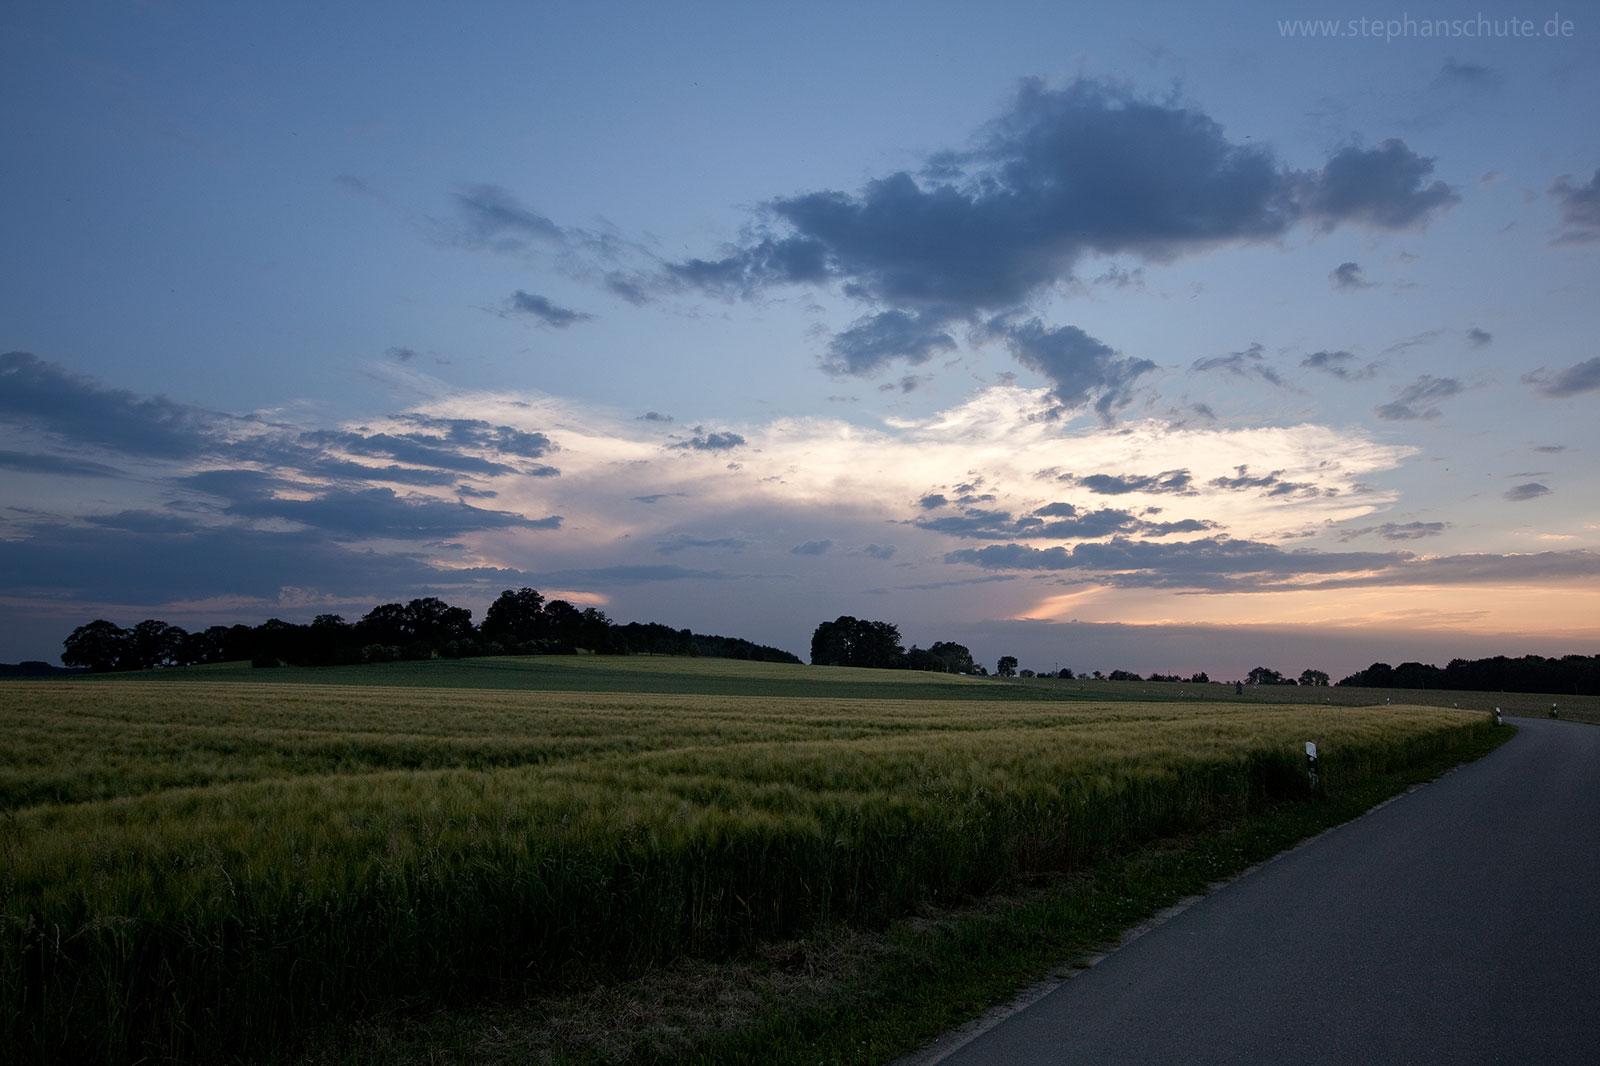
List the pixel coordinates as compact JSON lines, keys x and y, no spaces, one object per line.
{"x":1311,"y":749}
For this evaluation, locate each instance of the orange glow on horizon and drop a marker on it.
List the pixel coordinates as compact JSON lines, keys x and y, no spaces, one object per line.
{"x":1487,"y":609}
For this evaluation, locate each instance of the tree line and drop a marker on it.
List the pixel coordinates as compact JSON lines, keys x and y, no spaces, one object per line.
{"x":518,"y":622}
{"x":1574,"y":674}
{"x":849,"y":641}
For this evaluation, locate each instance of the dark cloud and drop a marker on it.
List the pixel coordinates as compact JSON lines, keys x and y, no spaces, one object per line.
{"x":345,"y":470}
{"x":683,"y":540}
{"x":441,"y":446}
{"x":231,"y":484}
{"x":1173,"y":481}
{"x":163,"y":563}
{"x":1550,"y":449}
{"x":1222,"y":565}
{"x":1416,"y":340}
{"x":1081,"y":367}
{"x":876,"y":340}
{"x":1396,"y":531}
{"x":427,"y":452}
{"x":1212,"y":562}
{"x":1250,"y":363}
{"x":932,"y":500}
{"x":145,"y":522}
{"x":1580,"y":377}
{"x":745,"y":271}
{"x":657,"y":497}
{"x":1385,"y":187}
{"x":654,"y":416}
{"x":973,"y":522}
{"x":540,"y":307}
{"x":1479,"y":569}
{"x":1086,"y":170}
{"x":1339,"y":364}
{"x":1416,"y":400}
{"x":494,"y":219}
{"x":711,"y":442}
{"x":361,"y":513}
{"x":1056,"y":521}
{"x":32,"y":463}
{"x":1471,"y":75}
{"x":631,"y":575}
{"x":879,"y":551}
{"x":1063,"y":173}
{"x":1580,"y":209}
{"x":1348,"y":276}
{"x":812,"y":547}
{"x":1269,"y":484}
{"x":936,"y":585}
{"x":423,"y":450}
{"x":477,"y":433}
{"x":79,"y":410}
{"x":635,"y":290}
{"x":1528,"y":491}
{"x":1479,"y":337}
{"x":908,"y":384}
{"x":401,"y":354}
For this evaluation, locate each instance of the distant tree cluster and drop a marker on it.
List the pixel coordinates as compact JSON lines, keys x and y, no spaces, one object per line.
{"x":520,"y":622}
{"x":715,"y":647}
{"x":848,"y":641}
{"x":1200,"y":678}
{"x":1575,"y":674}
{"x":1262,"y":675}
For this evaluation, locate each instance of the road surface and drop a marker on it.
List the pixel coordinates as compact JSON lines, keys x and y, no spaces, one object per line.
{"x":1457,"y":924}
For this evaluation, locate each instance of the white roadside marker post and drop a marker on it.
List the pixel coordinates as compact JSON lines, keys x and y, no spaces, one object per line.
{"x":1311,"y":763}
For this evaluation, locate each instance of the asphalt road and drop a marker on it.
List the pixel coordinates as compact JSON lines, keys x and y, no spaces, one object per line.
{"x":1458,"y":924}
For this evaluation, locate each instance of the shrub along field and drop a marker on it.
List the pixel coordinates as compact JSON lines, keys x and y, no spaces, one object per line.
{"x":204,"y":869}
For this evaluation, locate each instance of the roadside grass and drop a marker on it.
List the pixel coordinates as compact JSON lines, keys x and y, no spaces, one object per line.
{"x":206,"y":871}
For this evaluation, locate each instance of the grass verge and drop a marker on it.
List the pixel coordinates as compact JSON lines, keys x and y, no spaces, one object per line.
{"x":842,"y":996}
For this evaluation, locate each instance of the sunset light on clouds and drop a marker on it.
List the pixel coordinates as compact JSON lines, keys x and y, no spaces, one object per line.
{"x":1140,"y":338}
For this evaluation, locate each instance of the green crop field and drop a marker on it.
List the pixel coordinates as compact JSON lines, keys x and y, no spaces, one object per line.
{"x":202,"y":870}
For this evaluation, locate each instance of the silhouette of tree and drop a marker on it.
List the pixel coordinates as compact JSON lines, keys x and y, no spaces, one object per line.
{"x":514,"y":617}
{"x":100,"y":646}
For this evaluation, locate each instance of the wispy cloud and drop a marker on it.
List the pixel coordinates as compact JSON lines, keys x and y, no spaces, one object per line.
{"x":1575,"y":379}
{"x":1349,"y":277}
{"x":1250,"y":363}
{"x":1470,"y":75}
{"x":541,"y":308}
{"x":1580,"y":209}
{"x":1396,"y":531}
{"x":1527,"y":491}
{"x":711,"y":442}
{"x":1341,"y":365}
{"x":1418,"y":400}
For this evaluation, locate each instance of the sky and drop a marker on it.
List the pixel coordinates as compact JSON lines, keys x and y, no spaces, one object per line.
{"x":1131,"y":336}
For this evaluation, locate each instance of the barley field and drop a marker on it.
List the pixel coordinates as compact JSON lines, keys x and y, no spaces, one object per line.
{"x":195,"y":871}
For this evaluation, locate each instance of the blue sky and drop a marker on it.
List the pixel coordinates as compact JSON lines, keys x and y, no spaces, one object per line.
{"x":1139,"y":338}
